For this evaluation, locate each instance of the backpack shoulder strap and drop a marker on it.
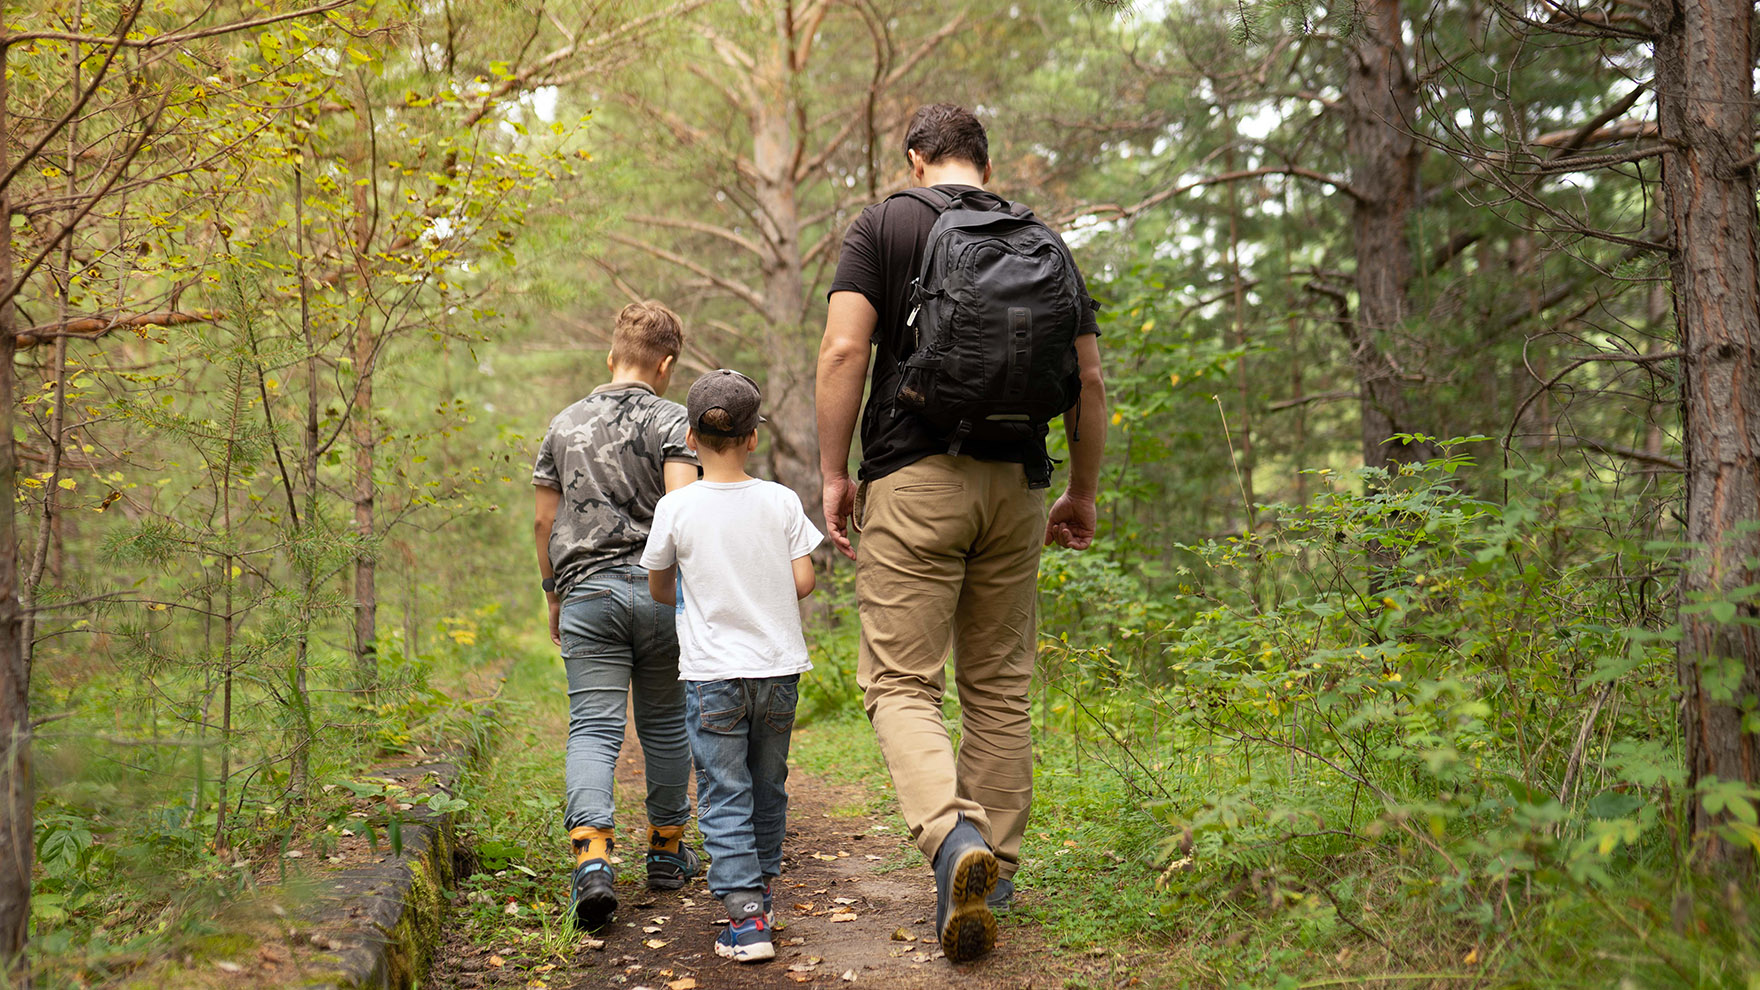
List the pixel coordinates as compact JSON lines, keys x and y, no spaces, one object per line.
{"x":934,"y":199}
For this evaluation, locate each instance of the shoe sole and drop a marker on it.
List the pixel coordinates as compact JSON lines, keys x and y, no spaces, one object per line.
{"x":594,"y":907}
{"x":757,"y":952}
{"x":970,"y":931}
{"x":664,"y":882}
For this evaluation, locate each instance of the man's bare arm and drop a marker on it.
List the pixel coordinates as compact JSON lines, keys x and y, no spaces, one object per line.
{"x":1072,"y":520}
{"x":843,"y":371}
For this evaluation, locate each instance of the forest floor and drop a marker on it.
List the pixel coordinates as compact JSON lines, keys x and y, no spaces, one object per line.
{"x":855,"y":904}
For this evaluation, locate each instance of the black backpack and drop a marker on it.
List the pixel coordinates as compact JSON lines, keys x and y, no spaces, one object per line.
{"x":995,"y":311}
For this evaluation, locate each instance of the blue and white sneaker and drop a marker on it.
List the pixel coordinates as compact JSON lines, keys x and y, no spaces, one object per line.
{"x":747,"y":936}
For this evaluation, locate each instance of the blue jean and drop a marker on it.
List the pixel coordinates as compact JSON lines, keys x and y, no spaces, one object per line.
{"x":615,"y":637}
{"x":739,"y":735}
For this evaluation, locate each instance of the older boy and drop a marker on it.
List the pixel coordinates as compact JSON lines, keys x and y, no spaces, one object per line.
{"x":741,"y":545}
{"x":604,"y":464}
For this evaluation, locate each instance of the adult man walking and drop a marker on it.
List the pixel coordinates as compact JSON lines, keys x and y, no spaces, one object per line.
{"x":950,"y":517}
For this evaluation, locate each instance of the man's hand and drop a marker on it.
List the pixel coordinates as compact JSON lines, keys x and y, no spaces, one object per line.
{"x":840,"y":504}
{"x":1071,"y":523}
{"x":555,"y":618}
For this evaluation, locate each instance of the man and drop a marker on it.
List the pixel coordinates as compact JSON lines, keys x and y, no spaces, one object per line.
{"x":603,"y":466}
{"x":950,"y":543}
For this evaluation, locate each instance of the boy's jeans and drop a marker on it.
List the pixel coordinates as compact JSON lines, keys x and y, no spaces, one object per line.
{"x":739,"y":734}
{"x":614,"y":635}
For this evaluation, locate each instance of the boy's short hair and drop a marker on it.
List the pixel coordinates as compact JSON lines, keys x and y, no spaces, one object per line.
{"x":646,"y":333}
{"x":943,"y":130}
{"x":719,"y":419}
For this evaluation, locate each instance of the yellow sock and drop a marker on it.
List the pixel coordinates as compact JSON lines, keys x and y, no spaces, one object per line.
{"x":591,"y":843}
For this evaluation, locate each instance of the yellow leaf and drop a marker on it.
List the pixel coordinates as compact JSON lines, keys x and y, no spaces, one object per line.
{"x":68,"y":484}
{"x":1173,"y":379}
{"x":1148,"y":325}
{"x":655,"y":943}
{"x":497,"y":961}
{"x":1117,"y":418}
{"x":686,"y":983}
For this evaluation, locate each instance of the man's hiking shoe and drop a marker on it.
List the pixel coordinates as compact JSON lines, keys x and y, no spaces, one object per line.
{"x":670,"y":861}
{"x":1001,"y":900}
{"x":595,"y":897}
{"x":747,"y":936}
{"x":965,"y":876}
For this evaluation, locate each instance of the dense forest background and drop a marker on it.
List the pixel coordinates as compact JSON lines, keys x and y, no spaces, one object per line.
{"x":1423,"y":620}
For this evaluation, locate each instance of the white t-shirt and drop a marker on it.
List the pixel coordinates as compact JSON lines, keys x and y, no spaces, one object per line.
{"x":735,"y":544}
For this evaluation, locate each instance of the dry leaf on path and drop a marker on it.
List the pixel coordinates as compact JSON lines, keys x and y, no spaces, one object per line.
{"x":849,"y":976}
{"x":802,"y":968}
{"x":596,"y":944}
{"x":656,"y":943}
{"x":842,"y":917}
{"x":801,"y":977}
{"x":904,"y":935}
{"x":843,"y":900}
{"x":686,"y":983}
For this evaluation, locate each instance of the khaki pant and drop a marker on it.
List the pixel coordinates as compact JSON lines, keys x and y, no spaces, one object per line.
{"x":949,"y":556}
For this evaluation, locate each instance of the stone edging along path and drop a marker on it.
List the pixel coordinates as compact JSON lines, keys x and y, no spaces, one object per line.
{"x":377,"y":924}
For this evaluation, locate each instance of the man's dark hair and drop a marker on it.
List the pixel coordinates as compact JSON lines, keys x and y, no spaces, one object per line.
{"x":941,"y":131}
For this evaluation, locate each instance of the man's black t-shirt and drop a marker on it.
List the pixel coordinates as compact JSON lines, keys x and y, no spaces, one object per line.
{"x":882,"y":255}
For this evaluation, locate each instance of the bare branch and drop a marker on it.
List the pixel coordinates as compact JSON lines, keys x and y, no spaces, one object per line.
{"x":1113,"y":211}
{"x":93,"y":327}
{"x":742,"y":292}
{"x":176,"y":37}
{"x":713,"y":230}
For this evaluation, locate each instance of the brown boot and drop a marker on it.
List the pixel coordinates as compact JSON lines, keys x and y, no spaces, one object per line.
{"x":595,"y":899}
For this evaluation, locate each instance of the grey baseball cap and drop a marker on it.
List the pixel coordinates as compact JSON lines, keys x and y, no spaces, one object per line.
{"x":730,"y":392}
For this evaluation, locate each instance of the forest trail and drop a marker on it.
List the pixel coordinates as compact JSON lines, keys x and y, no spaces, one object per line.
{"x":855,"y":907}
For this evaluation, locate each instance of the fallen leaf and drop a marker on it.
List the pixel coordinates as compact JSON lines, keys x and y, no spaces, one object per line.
{"x":841,"y":854}
{"x":228,"y":967}
{"x":801,"y":977}
{"x":870,"y":857}
{"x":656,"y":943}
{"x":849,"y":976}
{"x":802,"y":968}
{"x":904,"y":935}
{"x":650,"y":929}
{"x":822,"y":857}
{"x":1472,"y":957}
{"x":815,"y":960}
{"x":843,"y":900}
{"x":596,"y":944}
{"x":808,"y":906}
{"x":497,"y":961}
{"x":547,"y":967}
{"x":842,"y":917}
{"x":688,"y":983}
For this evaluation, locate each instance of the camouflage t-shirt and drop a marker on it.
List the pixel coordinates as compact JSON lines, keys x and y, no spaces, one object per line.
{"x":606,"y":455}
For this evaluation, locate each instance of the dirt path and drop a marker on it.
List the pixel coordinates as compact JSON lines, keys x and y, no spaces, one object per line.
{"x":855,"y":906}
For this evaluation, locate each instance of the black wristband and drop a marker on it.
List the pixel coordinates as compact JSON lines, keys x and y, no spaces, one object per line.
{"x":548,"y":584}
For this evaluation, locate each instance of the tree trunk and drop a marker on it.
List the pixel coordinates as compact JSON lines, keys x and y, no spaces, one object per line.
{"x":794,"y":445}
{"x":1381,"y":100}
{"x":366,"y":601}
{"x":1705,"y":106}
{"x":17,"y":817}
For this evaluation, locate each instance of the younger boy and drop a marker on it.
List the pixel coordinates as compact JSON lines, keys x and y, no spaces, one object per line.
{"x":741,"y":545}
{"x":604,"y":463}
